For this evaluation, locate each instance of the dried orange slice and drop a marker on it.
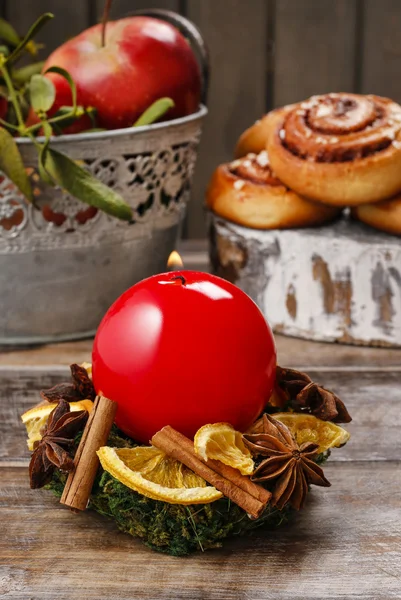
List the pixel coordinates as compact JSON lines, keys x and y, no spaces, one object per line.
{"x":36,"y":418}
{"x":308,"y":428}
{"x":222,"y":442}
{"x":153,"y":474}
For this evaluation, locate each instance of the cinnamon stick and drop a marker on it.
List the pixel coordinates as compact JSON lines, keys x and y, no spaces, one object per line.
{"x":79,"y":484}
{"x":233,"y":475}
{"x":179,"y":447}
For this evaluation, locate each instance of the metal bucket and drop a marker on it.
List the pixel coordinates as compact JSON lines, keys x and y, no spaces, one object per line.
{"x":62,"y":263}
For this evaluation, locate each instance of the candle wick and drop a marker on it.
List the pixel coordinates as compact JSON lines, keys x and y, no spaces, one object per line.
{"x":181,"y":278}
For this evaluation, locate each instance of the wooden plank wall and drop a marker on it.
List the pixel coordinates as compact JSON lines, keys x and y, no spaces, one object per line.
{"x":264,"y":53}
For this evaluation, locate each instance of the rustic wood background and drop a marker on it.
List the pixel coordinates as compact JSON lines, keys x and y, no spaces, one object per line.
{"x":264,"y":53}
{"x":345,"y":544}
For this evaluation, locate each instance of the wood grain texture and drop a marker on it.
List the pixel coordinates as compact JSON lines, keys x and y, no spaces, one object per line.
{"x":19,"y":391}
{"x":238,"y":85}
{"x":314,"y":48}
{"x":372,"y":397}
{"x":346,"y":543}
{"x":292,"y":352}
{"x":123,"y":8}
{"x":70,"y":19}
{"x":340,"y":283}
{"x":381,"y":48}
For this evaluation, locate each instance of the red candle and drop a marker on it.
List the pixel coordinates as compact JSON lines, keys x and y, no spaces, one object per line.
{"x":184,"y":349}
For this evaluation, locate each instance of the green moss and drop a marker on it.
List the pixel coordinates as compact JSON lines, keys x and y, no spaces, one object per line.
{"x":322,"y":457}
{"x":170,"y":528}
{"x":173,"y":528}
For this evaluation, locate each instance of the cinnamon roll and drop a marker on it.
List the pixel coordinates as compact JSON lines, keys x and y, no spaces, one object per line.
{"x":340,"y":149}
{"x":247,"y":192}
{"x":254,"y":139}
{"x":385,"y":215}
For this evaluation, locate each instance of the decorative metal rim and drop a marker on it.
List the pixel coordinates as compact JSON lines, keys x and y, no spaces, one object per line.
{"x":116,"y":133}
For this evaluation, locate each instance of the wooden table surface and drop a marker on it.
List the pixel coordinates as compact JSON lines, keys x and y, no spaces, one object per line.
{"x":345,"y":544}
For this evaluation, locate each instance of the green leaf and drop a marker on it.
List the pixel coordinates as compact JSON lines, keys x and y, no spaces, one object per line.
{"x":42,"y":93}
{"x":8,"y":125}
{"x":66,"y":116}
{"x":33,"y":48}
{"x":66,"y":110}
{"x":4,"y":50}
{"x":47,"y":130}
{"x":83,"y":185}
{"x":37,"y":26}
{"x":8,"y":33}
{"x":11,"y":163}
{"x":91,"y":111}
{"x":69,"y":79}
{"x":24,"y":74}
{"x":154,"y":112}
{"x":44,"y":175}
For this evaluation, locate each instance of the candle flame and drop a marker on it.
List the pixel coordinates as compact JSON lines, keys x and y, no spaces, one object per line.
{"x":174,"y":260}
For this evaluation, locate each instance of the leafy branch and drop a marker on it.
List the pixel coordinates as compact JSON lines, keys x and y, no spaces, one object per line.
{"x":27,"y":87}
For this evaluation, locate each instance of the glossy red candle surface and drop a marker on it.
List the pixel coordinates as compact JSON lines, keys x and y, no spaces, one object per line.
{"x":184,"y":349}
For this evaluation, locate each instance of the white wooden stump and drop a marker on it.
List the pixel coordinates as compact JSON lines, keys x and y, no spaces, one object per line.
{"x":337,"y":283}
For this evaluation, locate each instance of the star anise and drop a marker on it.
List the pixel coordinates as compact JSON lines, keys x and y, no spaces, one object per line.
{"x":82,"y":382}
{"x":289,"y":465}
{"x":80,"y":388}
{"x":302,"y":393}
{"x":50,"y":452}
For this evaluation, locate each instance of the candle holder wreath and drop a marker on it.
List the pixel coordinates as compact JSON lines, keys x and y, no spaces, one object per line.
{"x":236,"y":442}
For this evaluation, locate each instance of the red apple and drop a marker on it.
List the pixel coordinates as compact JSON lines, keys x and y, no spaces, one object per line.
{"x":143,"y":60}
